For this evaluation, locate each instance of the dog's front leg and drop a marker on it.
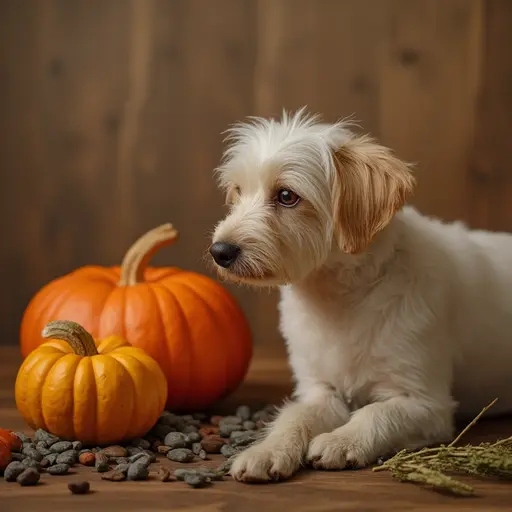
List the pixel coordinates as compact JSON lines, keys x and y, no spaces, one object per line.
{"x":381,"y":428}
{"x":279,"y":455}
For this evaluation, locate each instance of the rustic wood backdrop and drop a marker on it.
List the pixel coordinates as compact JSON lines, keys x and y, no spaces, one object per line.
{"x":112,"y":112}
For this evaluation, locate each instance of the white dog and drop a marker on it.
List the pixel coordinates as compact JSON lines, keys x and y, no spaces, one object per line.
{"x":393,"y":321}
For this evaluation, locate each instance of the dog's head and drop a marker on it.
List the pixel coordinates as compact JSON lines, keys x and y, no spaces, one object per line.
{"x":298,"y":189}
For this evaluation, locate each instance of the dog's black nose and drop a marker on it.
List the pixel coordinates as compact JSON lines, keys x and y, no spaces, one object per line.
{"x":224,"y":254}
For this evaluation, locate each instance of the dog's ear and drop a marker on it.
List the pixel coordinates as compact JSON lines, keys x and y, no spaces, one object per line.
{"x":232,"y":193}
{"x":370,"y":185}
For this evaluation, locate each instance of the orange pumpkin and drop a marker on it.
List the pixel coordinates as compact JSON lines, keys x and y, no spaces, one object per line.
{"x":12,"y":440}
{"x":5,"y":454}
{"x":186,"y":321}
{"x":97,"y":392}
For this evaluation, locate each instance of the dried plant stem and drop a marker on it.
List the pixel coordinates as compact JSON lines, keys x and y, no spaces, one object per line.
{"x":429,"y":466}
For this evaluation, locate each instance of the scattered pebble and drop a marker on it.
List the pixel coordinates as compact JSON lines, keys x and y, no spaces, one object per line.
{"x":230,"y":420}
{"x":175,"y":440}
{"x":181,"y":455}
{"x":79,"y":487}
{"x":77,"y":446}
{"x":61,"y":446}
{"x":13,"y":470}
{"x":114,"y":476}
{"x":17,"y":456}
{"x":137,"y":471}
{"x":249,"y":425}
{"x":67,"y":457}
{"x":87,"y":458}
{"x":29,"y":476}
{"x":51,"y":458}
{"x":141,"y":443}
{"x":42,"y":449}
{"x":58,"y":469}
{"x":196,"y":481}
{"x":101,"y":463}
{"x":32,"y":453}
{"x":115,"y":451}
{"x":31,"y":463}
{"x":212,"y":443}
{"x":41,"y":435}
{"x":202,"y":455}
{"x":228,"y":451}
{"x":164,"y":474}
{"x":122,"y":468}
{"x":164,"y":449}
{"x":193,"y":437}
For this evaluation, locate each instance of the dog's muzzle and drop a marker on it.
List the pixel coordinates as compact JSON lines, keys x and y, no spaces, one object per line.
{"x":224,"y":254}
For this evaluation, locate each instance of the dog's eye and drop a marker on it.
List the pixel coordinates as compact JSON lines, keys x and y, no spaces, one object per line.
{"x":287,"y":198}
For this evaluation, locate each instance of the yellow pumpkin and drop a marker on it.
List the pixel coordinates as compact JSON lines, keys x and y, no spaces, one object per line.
{"x":96,"y":392}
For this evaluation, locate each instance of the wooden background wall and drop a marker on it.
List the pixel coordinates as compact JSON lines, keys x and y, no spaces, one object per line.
{"x":111,"y":113}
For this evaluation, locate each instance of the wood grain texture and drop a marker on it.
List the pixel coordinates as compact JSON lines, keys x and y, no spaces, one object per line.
{"x":268,"y":381}
{"x":112,"y":113}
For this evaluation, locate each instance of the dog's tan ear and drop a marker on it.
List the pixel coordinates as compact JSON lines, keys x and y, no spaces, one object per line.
{"x":370,"y":185}
{"x":231,"y":194}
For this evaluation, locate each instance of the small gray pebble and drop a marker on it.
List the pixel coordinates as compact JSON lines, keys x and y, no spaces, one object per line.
{"x":18,"y":457}
{"x":102,"y":467}
{"x":180,"y":455}
{"x":122,"y":460}
{"x":175,"y":440}
{"x":137,"y":472}
{"x":12,"y":471}
{"x":77,"y":445}
{"x":141,"y":443}
{"x":67,"y":457}
{"x":29,"y":477}
{"x":226,"y":429}
{"x":24,"y":438}
{"x":196,"y":448}
{"x":196,"y":481}
{"x":61,"y":446}
{"x":160,"y":430}
{"x":136,"y":457}
{"x":31,"y":463}
{"x":122,"y":468}
{"x":202,"y":455}
{"x":210,"y":473}
{"x":144,"y":461}
{"x":45,"y":437}
{"x":249,"y":425}
{"x":41,"y":448}
{"x":32,"y":453}
{"x":180,"y":474}
{"x":132,"y":450}
{"x":150,"y":454}
{"x":58,"y":469}
{"x":244,"y":412}
{"x":193,"y":437}
{"x":228,"y":451}
{"x":190,"y":429}
{"x":230,"y":420}
{"x":171,"y":419}
{"x":52,"y":458}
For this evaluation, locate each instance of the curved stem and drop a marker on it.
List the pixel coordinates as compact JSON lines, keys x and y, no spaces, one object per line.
{"x":140,"y":253}
{"x":80,"y":340}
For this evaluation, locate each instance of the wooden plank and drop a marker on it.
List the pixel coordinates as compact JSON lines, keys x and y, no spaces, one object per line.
{"x":491,"y":169}
{"x":430,"y":76}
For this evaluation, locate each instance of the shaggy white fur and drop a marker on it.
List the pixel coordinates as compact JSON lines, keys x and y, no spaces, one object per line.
{"x":393,"y":321}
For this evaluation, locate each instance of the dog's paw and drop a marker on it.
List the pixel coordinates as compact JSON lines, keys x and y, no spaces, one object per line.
{"x":265,"y":463}
{"x":336,"y":451}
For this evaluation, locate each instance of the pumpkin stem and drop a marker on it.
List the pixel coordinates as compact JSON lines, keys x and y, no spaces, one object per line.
{"x":140,"y":253}
{"x":80,"y":340}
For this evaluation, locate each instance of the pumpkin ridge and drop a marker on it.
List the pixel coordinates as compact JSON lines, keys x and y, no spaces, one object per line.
{"x":71,"y":361}
{"x":90,"y":398}
{"x":133,"y":412}
{"x":98,"y":317}
{"x":216,"y":291}
{"x":211,"y":316}
{"x":160,"y":315}
{"x":135,"y":420}
{"x":188,"y":342}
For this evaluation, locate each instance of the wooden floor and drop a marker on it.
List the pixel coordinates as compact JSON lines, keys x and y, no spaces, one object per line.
{"x":268,"y":381}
